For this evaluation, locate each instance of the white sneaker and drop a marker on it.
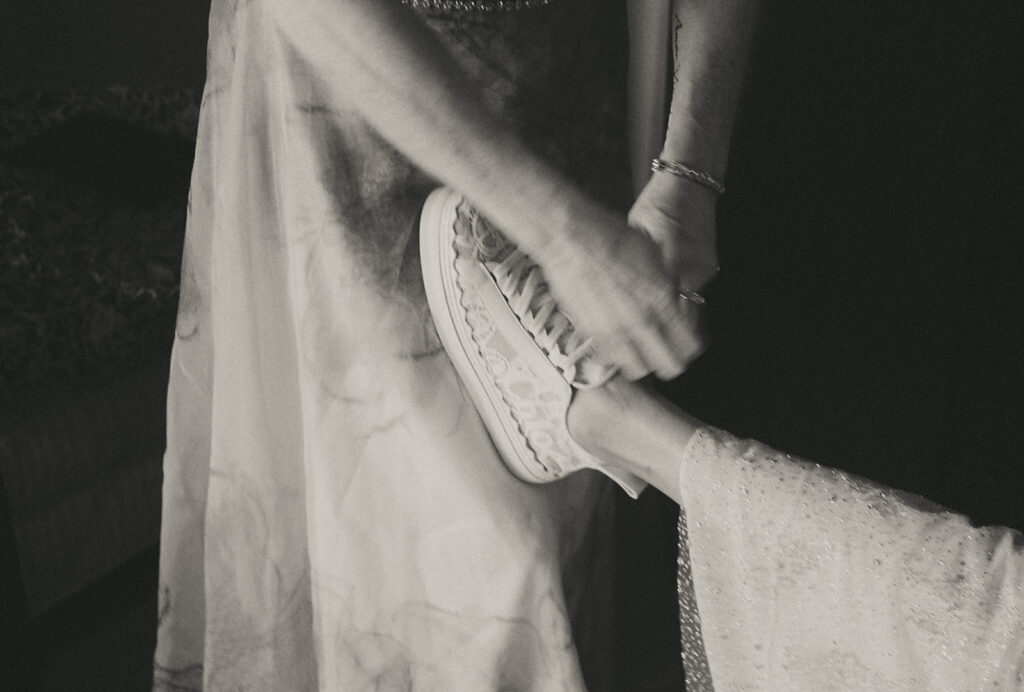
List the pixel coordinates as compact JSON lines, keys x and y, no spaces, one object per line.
{"x":517,"y":354}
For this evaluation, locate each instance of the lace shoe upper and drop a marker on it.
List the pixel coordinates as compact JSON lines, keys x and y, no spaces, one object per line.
{"x":521,"y":282}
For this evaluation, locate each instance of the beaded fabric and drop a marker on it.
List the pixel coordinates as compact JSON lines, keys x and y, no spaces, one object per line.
{"x":695,"y":659}
{"x":476,"y":5}
{"x":808,"y":578}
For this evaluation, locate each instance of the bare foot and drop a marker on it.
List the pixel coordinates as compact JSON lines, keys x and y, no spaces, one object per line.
{"x":625,"y":426}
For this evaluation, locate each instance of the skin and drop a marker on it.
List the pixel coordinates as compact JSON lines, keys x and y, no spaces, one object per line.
{"x":628,"y":428}
{"x":711,"y":41}
{"x":617,"y":285}
{"x":622,"y":423}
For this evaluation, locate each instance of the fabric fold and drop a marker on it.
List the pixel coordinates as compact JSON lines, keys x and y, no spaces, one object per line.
{"x":335,"y":515}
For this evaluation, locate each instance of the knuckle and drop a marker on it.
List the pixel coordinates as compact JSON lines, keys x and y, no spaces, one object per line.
{"x":660,"y":305}
{"x":629,"y":372}
{"x":634,"y":369}
{"x":653,"y":317}
{"x":671,"y":373}
{"x":694,"y":351}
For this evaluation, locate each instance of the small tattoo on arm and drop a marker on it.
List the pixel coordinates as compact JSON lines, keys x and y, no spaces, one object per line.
{"x":677,"y":26}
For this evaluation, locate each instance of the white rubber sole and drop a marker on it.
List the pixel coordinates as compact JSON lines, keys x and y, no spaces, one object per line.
{"x":437,"y":257}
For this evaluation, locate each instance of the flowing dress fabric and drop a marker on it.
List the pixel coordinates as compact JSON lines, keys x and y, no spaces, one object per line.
{"x":798,"y":577}
{"x":335,"y":515}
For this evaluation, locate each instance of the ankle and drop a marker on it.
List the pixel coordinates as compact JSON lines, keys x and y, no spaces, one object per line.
{"x":632,"y":430}
{"x":599,"y":419}
{"x":585,"y":418}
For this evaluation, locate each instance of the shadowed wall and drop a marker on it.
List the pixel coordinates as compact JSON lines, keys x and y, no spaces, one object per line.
{"x":74,"y":43}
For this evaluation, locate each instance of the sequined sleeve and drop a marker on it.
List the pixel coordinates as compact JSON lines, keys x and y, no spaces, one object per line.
{"x":794,"y":576}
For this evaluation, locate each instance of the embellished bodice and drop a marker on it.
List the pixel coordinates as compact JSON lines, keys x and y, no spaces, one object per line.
{"x":476,"y":5}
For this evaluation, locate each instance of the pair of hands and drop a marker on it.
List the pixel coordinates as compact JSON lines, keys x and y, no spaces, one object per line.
{"x":621,"y":286}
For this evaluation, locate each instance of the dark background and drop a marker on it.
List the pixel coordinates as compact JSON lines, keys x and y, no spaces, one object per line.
{"x":73,"y":43}
{"x":871,"y":296}
{"x":868,"y":311}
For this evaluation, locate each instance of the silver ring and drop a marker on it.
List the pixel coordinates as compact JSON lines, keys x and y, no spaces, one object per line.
{"x":693,"y":297}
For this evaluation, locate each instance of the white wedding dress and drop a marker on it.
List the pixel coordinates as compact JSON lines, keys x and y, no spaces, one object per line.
{"x":335,"y":516}
{"x":796,"y":577}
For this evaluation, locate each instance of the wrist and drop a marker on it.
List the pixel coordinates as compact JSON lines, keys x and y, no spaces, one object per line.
{"x":677,"y":207}
{"x":530,"y":201}
{"x":550,"y":218}
{"x":581,"y":222}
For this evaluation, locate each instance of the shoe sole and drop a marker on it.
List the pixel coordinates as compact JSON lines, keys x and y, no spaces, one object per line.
{"x":438,"y":256}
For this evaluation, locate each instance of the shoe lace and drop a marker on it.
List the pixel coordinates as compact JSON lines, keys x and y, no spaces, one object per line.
{"x":526,"y":291}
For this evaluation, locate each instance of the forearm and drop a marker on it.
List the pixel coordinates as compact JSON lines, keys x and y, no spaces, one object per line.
{"x":388,"y":66}
{"x":711,"y":42}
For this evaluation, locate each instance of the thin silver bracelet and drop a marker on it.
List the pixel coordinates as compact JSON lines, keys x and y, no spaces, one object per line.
{"x":684,"y":171}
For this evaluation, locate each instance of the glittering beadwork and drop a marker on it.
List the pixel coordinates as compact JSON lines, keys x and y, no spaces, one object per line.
{"x":476,"y":5}
{"x":695,"y":661}
{"x":808,"y":578}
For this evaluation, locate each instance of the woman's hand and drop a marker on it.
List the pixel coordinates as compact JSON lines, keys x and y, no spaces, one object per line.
{"x":611,"y":282}
{"x":679,"y":216}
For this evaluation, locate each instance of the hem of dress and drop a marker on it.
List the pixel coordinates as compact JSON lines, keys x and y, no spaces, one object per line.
{"x":692,"y":649}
